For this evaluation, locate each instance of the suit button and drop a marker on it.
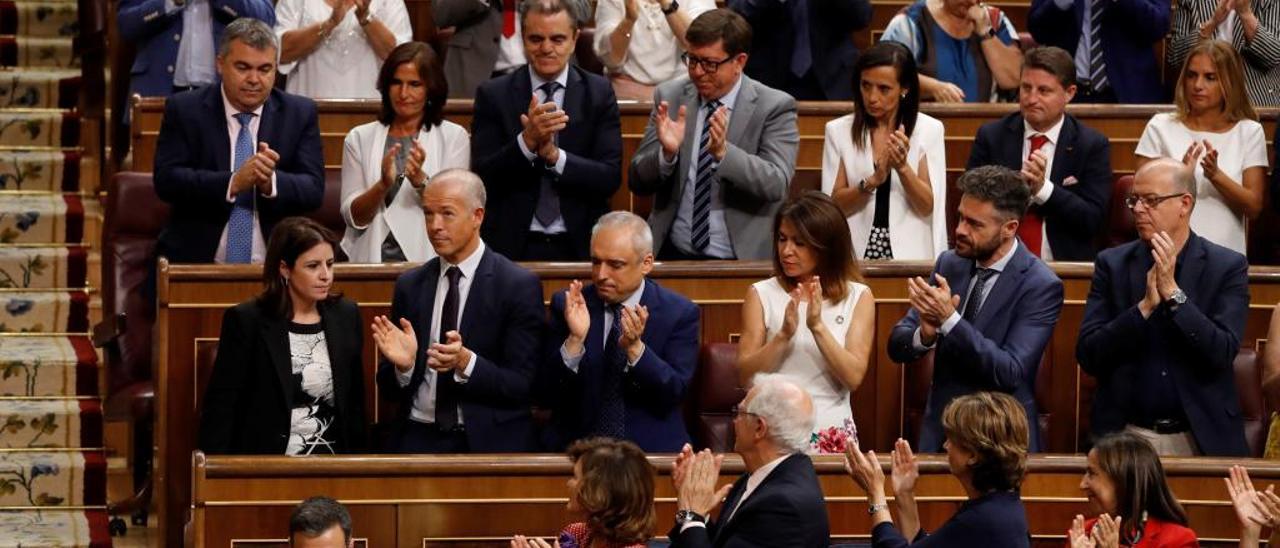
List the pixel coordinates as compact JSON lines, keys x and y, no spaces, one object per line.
{"x":177,"y":37}
{"x":170,"y":69}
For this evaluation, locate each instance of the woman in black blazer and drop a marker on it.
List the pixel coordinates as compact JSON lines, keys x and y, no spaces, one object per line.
{"x":288,"y":378}
{"x":987,"y":438}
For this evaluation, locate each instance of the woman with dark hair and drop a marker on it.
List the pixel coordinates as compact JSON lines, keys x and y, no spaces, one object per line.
{"x":330,"y":49}
{"x":987,"y":438}
{"x":885,"y":164}
{"x":1125,"y":484}
{"x":813,"y":320}
{"x":612,"y":490}
{"x":288,"y":378}
{"x":386,"y":163}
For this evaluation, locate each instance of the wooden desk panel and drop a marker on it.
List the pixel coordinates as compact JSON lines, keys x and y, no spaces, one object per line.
{"x":453,"y":500}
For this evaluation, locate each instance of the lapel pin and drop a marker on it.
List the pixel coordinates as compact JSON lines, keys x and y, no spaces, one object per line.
{"x":839,"y":319}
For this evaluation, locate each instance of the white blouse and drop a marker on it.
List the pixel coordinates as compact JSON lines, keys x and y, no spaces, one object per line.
{"x":912,"y":235}
{"x":1239,"y":148}
{"x":344,"y":66}
{"x":446,"y":146}
{"x":653,"y":55}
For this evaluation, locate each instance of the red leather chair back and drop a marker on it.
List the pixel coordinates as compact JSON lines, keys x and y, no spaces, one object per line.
{"x":1119,"y":228}
{"x":585,"y":51}
{"x":918,"y":379}
{"x":1252,"y":403}
{"x":716,"y":391}
{"x":134,"y":217}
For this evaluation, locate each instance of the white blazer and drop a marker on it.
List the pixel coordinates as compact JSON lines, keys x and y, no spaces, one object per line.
{"x":913,"y":236}
{"x":446,"y":146}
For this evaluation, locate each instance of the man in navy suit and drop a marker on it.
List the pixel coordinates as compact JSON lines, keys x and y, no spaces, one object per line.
{"x":1066,"y":164}
{"x":778,"y":502}
{"x":461,"y":346}
{"x":232,"y":159}
{"x":622,"y":351}
{"x":1120,"y":66}
{"x":804,"y":47}
{"x":1163,"y":323}
{"x":992,"y":311}
{"x":546,"y":140}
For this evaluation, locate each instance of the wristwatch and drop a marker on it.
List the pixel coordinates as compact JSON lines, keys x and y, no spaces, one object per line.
{"x":686,"y":516}
{"x":873,"y":508}
{"x":991,"y":33}
{"x":1176,"y":299}
{"x":671,"y":8}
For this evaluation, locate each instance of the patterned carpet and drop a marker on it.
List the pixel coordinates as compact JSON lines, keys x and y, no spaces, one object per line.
{"x":52,"y":464}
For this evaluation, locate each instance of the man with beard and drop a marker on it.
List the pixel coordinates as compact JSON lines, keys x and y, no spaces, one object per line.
{"x":989,"y":332}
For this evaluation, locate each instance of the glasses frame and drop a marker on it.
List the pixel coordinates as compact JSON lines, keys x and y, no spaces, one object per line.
{"x":1131,"y":201}
{"x":708,"y":66}
{"x":738,"y":410}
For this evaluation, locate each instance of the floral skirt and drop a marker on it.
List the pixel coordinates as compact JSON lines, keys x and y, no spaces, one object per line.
{"x":833,"y":439}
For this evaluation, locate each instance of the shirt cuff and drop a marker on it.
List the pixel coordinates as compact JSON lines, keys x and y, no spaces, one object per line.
{"x":666,"y":167}
{"x":1062,"y":4}
{"x":528,"y":154}
{"x":561,"y":160}
{"x":273,"y":187}
{"x":570,"y":361}
{"x":918,"y":344}
{"x":949,"y":324}
{"x":631,"y":364}
{"x":1042,"y":196}
{"x":403,"y":377}
{"x":465,"y":375}
{"x":691,"y":524}
{"x":231,"y":198}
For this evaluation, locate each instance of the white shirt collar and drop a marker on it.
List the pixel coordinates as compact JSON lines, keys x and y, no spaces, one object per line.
{"x":633,"y":299}
{"x":231,"y":110}
{"x":1052,"y":133}
{"x":468,"y":266}
{"x":999,"y":265}
{"x":758,"y":477}
{"x":537,"y":81}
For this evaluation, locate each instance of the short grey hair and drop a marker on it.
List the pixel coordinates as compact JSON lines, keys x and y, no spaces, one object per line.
{"x":253,"y":32}
{"x":1181,"y":176}
{"x":548,"y":7}
{"x":471,"y":185}
{"x":641,"y":236}
{"x":789,"y":426}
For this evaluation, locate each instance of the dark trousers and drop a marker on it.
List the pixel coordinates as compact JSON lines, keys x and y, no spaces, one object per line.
{"x":421,"y":437}
{"x":670,"y":252}
{"x":540,"y":246}
{"x":1087,"y":96}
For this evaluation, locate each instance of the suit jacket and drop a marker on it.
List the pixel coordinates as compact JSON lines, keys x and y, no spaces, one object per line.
{"x":502,"y":323}
{"x":754,"y":175}
{"x":653,"y":390}
{"x":193,"y":168}
{"x":1130,"y":31}
{"x":248,"y":402}
{"x":785,"y":511}
{"x":1000,"y":351}
{"x":1259,"y":55}
{"x":1197,"y":342}
{"x":592,"y":172}
{"x":831,"y":23}
{"x":994,"y":519}
{"x":157,"y":35}
{"x":1081,"y":176}
{"x":472,"y":50}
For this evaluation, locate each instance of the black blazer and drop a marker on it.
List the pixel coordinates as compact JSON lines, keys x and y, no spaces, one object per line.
{"x":994,"y":519}
{"x":1081,"y":174}
{"x":1198,"y":342}
{"x":785,"y":511}
{"x":831,"y":22}
{"x":248,"y":405}
{"x":193,"y":168}
{"x":502,"y":323}
{"x":592,"y":170}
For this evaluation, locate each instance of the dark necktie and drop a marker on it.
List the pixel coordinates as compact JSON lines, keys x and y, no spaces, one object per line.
{"x":548,"y":208}
{"x":700,"y":237}
{"x":978,"y":294}
{"x":1031,"y":229}
{"x":446,"y":388}
{"x":613,"y":414}
{"x":1097,"y":59}
{"x":240,"y":224}
{"x":801,"y":57}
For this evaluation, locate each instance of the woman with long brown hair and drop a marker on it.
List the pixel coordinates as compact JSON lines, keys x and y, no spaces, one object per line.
{"x":1125,"y":483}
{"x":813,"y":320}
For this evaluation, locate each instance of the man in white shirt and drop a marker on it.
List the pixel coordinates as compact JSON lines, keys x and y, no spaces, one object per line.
{"x":461,"y":344}
{"x":778,"y":502}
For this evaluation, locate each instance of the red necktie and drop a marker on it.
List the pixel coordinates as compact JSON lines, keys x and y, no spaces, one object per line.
{"x":1031,"y":228}
{"x":508,"y":18}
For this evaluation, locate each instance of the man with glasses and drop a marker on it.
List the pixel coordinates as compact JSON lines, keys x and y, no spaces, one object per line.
{"x":719,"y":151}
{"x":1163,"y":323}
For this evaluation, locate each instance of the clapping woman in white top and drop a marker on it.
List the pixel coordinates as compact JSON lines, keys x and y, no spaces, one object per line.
{"x":385,"y":163}
{"x":331,"y":49}
{"x":885,"y":164}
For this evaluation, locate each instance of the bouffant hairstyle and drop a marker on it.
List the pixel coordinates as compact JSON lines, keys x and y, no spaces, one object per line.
{"x":616,"y":490}
{"x":992,"y":426}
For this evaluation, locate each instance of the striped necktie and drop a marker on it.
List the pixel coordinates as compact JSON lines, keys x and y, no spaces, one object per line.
{"x":1097,"y":61}
{"x":707,"y":164}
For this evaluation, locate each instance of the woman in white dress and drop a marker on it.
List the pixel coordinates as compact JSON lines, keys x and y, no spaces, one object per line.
{"x":331,"y":49}
{"x":814,"y":320}
{"x":385,"y":163}
{"x":1215,"y":131}
{"x":885,"y":164}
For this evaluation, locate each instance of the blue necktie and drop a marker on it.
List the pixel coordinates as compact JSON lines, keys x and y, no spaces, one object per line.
{"x":612,"y":419}
{"x":547,"y":209}
{"x":801,"y":57}
{"x":707,"y":164}
{"x":240,"y":225}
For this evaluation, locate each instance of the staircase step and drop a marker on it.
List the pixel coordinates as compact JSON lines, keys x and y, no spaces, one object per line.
{"x":48,"y":366}
{"x":47,"y":267}
{"x":40,"y":170}
{"x":38,"y":51}
{"x":39,"y":18}
{"x":42,"y":219}
{"x":53,"y":423}
{"x":39,"y":128}
{"x":50,"y":528}
{"x":31,"y":479}
{"x":50,"y":311}
{"x":22,"y":87}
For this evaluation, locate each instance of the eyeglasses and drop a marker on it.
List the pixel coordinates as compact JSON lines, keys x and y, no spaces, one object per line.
{"x":740,"y":411}
{"x":1131,"y":201}
{"x":707,"y":64}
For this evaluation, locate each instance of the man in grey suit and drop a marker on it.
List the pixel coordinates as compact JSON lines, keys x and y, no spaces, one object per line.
{"x":719,"y":180}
